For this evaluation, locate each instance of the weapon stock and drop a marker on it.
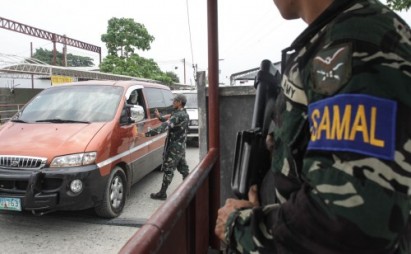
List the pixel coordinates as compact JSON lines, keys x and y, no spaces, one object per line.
{"x":252,"y":159}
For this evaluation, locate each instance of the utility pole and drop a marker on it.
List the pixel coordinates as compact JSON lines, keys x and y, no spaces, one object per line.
{"x":54,"y":49}
{"x":31,"y":56}
{"x":65,"y":50}
{"x":195,"y":73}
{"x":65,"y":55}
{"x":184,"y":66}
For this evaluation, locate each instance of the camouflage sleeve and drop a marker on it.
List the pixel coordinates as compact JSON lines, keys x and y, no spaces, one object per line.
{"x":160,"y":129}
{"x":162,"y":118}
{"x":174,"y":121}
{"x":358,"y":158}
{"x":178,"y":119}
{"x":356,"y":196}
{"x":247,"y":232}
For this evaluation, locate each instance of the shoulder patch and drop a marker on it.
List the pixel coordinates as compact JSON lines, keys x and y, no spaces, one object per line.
{"x":331,"y":69}
{"x":293,"y":92}
{"x":353,"y":122}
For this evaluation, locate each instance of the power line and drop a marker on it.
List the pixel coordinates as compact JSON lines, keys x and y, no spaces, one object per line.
{"x":251,"y":34}
{"x":252,"y":40}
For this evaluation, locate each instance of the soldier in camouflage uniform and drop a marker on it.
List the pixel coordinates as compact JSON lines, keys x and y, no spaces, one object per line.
{"x":342,"y":157}
{"x":175,"y":147}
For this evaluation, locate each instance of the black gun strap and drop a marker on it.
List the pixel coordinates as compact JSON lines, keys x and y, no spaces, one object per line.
{"x":267,"y":193}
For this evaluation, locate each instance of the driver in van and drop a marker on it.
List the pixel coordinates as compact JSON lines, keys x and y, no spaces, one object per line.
{"x":133,"y":100}
{"x":175,"y":146}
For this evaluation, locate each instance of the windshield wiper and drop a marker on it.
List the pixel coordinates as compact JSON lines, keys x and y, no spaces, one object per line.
{"x":18,"y":121}
{"x":57,"y":120}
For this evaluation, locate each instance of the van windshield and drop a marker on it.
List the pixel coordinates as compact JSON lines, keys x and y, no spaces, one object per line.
{"x":73,"y":104}
{"x":191,"y":100}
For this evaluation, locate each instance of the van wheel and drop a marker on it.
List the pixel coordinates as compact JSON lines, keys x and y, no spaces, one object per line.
{"x":114,"y":197}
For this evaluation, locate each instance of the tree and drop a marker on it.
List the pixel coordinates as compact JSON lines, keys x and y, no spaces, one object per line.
{"x":124,"y":35}
{"x":123,"y":38}
{"x":399,"y":5}
{"x":46,"y":56}
{"x":173,"y":76}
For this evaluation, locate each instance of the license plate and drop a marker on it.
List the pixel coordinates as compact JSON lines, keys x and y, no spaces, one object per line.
{"x":11,"y":204}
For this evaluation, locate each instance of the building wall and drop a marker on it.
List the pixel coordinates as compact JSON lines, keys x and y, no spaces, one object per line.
{"x":11,"y":100}
{"x":18,"y":83}
{"x":236,"y":111}
{"x":17,"y":96}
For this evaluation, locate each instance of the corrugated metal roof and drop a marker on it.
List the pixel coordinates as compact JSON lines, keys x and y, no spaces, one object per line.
{"x":11,"y":65}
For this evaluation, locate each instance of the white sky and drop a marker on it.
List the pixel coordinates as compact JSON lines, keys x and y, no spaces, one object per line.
{"x":249,"y":30}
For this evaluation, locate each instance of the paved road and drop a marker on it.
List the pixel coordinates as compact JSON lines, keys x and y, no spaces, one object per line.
{"x":82,"y":232}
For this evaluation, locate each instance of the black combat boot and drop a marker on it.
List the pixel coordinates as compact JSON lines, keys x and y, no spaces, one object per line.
{"x":161,"y":195}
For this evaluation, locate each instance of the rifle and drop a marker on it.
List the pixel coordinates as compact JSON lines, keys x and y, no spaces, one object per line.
{"x":252,"y":158}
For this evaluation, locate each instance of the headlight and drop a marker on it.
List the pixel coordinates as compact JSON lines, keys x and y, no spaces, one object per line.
{"x":194,"y":122}
{"x":74,"y":160}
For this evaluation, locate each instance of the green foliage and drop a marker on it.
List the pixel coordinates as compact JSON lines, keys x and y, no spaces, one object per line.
{"x":399,"y":5}
{"x":124,"y":36}
{"x":46,"y":56}
{"x":134,"y":66}
{"x":173,"y":76}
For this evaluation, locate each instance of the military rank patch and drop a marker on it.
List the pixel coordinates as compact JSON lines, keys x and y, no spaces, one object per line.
{"x":331,"y":69}
{"x":352,"y":122}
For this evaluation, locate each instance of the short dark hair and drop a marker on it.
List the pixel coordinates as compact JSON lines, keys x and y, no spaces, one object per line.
{"x":181,"y":98}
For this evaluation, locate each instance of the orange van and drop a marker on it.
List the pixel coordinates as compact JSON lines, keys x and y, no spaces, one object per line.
{"x":75,"y":146}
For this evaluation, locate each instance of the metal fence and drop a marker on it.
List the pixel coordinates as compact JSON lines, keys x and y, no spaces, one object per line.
{"x":7,"y":111}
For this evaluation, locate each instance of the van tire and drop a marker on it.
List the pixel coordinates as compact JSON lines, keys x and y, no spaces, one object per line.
{"x":114,"y":197}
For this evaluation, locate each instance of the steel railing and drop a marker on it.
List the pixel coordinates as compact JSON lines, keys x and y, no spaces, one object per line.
{"x":7,"y":111}
{"x":181,"y":224}
{"x":185,"y":223}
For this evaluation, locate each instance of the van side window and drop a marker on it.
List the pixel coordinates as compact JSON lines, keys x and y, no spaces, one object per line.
{"x":168,"y":98}
{"x":160,"y":99}
{"x":133,"y":99}
{"x":136,"y":98}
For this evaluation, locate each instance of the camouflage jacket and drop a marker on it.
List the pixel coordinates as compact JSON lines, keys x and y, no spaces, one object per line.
{"x":177,"y":126}
{"x":342,"y":164}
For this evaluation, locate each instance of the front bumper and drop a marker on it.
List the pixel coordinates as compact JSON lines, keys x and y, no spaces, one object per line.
{"x":192,"y":131}
{"x":49,"y":188}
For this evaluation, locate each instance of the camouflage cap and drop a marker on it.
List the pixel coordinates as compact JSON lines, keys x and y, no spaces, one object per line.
{"x":181,"y":98}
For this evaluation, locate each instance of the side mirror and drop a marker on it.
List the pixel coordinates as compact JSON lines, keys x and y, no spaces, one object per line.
{"x":136,"y":113}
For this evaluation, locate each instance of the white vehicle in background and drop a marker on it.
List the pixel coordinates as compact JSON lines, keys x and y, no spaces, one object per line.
{"x":192,"y":111}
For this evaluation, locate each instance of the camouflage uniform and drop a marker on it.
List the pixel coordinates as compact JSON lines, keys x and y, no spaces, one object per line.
{"x":343,"y":174}
{"x":174,"y":154}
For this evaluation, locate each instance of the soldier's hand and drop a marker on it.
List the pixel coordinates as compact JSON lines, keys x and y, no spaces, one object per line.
{"x":269,"y":142}
{"x":230,"y":206}
{"x":157,"y":113}
{"x":253,"y":195}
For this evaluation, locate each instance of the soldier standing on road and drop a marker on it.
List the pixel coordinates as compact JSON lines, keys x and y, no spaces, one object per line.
{"x":175,"y":147}
{"x":342,"y":155}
